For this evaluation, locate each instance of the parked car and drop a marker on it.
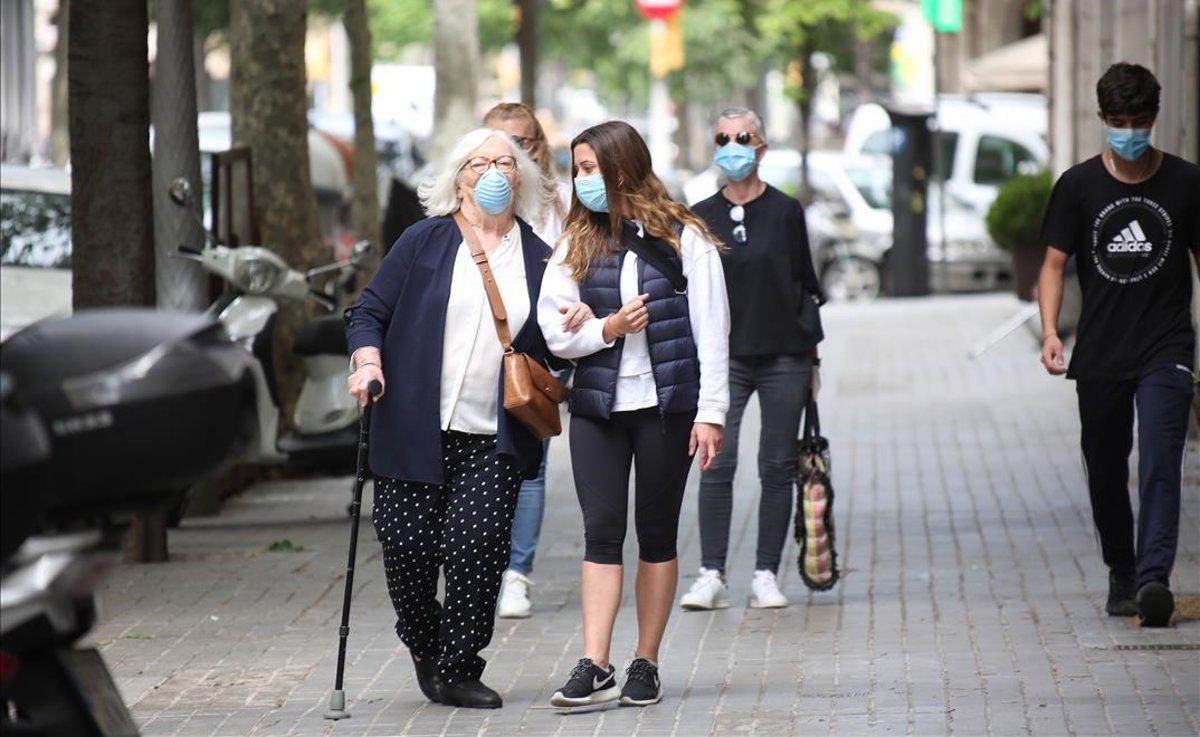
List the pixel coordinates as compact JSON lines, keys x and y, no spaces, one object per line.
{"x":851,"y":234}
{"x":850,"y":225}
{"x":35,"y":235}
{"x":985,"y":140}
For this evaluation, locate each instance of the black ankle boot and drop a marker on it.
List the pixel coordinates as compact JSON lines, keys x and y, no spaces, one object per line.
{"x":428,"y":678}
{"x":1122,"y":591}
{"x":471,"y":695}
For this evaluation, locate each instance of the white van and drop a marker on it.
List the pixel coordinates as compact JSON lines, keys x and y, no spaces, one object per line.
{"x":986,"y":139}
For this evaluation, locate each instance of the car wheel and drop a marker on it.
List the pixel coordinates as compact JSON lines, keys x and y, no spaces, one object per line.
{"x":849,"y":278}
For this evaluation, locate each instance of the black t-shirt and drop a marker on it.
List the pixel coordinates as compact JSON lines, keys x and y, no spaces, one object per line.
{"x":1132,"y":244}
{"x":766,"y":275}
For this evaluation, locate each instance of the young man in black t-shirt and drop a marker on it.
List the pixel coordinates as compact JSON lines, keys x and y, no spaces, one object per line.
{"x":1131,"y":217}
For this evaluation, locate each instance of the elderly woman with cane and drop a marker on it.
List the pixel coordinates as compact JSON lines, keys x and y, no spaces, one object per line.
{"x":447,"y":456}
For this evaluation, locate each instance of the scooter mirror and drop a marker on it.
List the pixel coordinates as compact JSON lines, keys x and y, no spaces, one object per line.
{"x":180,"y":191}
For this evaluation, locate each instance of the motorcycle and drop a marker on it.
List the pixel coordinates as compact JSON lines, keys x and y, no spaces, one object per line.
{"x":326,"y":416}
{"x":104,"y":414}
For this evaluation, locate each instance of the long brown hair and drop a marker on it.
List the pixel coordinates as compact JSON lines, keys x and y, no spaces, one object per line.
{"x":633,"y":191}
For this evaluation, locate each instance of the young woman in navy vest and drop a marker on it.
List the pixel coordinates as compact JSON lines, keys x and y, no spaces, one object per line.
{"x":448,"y":459}
{"x":650,"y":391}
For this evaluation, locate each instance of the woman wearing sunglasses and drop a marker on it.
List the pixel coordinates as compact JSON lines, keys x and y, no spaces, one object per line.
{"x":447,"y":458}
{"x":650,"y":389}
{"x":773,"y":296}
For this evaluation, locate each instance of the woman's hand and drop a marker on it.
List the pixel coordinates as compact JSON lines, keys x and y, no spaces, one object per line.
{"x":575,"y":316}
{"x":367,"y":369}
{"x":633,"y":317}
{"x":707,"y":439}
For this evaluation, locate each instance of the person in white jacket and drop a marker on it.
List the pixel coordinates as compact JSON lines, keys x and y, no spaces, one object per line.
{"x":650,"y":389}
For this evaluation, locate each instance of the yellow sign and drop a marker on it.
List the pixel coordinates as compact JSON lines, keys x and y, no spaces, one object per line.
{"x":666,"y":45}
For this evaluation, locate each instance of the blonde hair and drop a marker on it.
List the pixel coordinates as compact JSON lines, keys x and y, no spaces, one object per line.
{"x":439,"y":193}
{"x":633,"y":191}
{"x":520,"y":111}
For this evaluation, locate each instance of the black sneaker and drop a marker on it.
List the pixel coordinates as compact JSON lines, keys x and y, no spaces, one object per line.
{"x":642,"y":686}
{"x":588,"y":684}
{"x":1155,"y":604}
{"x":1122,"y":592}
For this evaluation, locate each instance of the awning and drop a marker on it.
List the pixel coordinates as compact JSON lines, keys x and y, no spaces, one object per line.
{"x":1022,"y":66}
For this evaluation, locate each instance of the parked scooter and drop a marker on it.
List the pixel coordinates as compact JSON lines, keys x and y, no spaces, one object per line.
{"x":104,"y":413}
{"x":326,"y":416}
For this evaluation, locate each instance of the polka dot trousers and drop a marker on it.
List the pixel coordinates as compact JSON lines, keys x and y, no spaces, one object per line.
{"x":463,"y":527}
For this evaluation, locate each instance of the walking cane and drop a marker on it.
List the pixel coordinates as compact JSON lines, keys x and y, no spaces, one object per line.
{"x":337,"y":699}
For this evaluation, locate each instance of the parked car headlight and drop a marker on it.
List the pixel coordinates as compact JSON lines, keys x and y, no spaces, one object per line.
{"x":256,"y":275}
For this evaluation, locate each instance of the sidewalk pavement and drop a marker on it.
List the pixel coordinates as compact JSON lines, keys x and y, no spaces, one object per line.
{"x":971,"y":602}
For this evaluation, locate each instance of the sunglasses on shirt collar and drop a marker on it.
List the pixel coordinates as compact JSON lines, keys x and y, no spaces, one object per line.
{"x":745,"y":138}
{"x":737,"y":214}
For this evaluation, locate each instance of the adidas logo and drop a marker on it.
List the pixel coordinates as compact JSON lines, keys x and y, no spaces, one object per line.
{"x":1130,"y":240}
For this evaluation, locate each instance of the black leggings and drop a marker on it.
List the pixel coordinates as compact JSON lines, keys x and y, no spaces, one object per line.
{"x":601,"y":453}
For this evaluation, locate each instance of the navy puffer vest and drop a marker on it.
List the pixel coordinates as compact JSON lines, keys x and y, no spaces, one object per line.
{"x":669,"y":336}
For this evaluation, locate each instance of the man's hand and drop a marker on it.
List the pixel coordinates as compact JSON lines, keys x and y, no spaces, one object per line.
{"x":707,"y":439}
{"x":1052,"y":356}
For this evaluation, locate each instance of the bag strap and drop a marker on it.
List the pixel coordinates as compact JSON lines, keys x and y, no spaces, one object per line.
{"x":812,"y":422}
{"x":657,"y":259}
{"x":499,"y":316}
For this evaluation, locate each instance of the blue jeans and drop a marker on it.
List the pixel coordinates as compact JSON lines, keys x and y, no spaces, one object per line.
{"x":527,"y":520}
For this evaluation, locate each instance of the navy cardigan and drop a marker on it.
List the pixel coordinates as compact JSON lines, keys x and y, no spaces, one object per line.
{"x":403,"y":313}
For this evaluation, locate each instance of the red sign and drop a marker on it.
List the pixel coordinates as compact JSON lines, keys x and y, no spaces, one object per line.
{"x":658,"y":9}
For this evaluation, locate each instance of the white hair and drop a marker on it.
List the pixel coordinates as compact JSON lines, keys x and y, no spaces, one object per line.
{"x":439,"y":192}
{"x":737,"y":113}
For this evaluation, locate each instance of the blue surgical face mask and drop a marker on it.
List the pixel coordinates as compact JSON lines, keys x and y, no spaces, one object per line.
{"x":1128,"y":143}
{"x":493,"y":192}
{"x":592,"y":192}
{"x":735,"y":160}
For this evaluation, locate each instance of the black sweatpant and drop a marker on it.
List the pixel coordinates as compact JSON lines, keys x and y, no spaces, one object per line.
{"x":1106,"y":411}
{"x":462,"y":526}
{"x":601,"y":454}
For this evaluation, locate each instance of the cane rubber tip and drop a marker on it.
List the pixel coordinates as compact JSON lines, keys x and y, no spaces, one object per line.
{"x":337,"y":706}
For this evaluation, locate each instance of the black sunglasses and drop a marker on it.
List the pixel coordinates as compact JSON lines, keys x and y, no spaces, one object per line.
{"x":744,"y":138}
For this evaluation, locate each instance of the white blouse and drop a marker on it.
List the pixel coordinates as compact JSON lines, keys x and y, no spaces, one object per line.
{"x":708,"y":310}
{"x":471,"y":351}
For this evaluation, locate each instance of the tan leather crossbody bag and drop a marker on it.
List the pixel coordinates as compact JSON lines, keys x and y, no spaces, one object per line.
{"x":531,"y":393}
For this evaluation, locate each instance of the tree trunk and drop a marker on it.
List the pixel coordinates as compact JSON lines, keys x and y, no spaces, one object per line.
{"x":808,"y":88}
{"x":199,"y":49}
{"x":180,"y":283}
{"x":267,"y":103}
{"x":364,"y":211}
{"x":60,"y":136}
{"x":527,"y":44}
{"x":456,"y":70}
{"x":109,"y":112}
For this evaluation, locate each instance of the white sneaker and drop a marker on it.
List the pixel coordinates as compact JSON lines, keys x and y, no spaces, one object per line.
{"x":707,"y":592}
{"x":514,"y":598}
{"x":765,"y":593}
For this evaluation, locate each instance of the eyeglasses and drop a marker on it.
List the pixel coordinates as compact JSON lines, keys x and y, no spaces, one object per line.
{"x":480,"y":164}
{"x":529,"y":144}
{"x":737,"y":214}
{"x":744,"y":138}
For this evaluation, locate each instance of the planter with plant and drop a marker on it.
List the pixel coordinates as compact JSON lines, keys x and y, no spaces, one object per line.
{"x":1014,"y":221}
